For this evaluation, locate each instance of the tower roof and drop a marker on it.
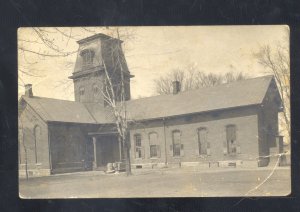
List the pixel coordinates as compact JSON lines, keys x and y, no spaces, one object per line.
{"x":96,"y":36}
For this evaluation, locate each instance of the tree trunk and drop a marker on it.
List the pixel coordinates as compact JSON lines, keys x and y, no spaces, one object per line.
{"x":128,"y":165}
{"x":127,"y":156}
{"x":25,"y":151}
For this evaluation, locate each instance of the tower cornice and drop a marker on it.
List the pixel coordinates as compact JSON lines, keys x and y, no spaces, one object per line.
{"x":86,"y":72}
{"x":97,"y":36}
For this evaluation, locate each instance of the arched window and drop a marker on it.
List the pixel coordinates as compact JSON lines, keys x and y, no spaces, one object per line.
{"x":203,"y":144}
{"x":95,"y":90}
{"x":81,"y":93}
{"x":177,"y":146}
{"x":87,"y":57}
{"x":37,"y":140}
{"x":154,"y":146}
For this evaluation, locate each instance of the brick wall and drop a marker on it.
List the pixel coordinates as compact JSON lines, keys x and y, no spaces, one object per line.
{"x":105,"y":50}
{"x":37,"y":153}
{"x":87,"y":82}
{"x":68,"y":144}
{"x":245,"y":120}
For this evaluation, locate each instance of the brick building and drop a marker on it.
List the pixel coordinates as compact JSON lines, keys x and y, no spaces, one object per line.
{"x":229,"y":124}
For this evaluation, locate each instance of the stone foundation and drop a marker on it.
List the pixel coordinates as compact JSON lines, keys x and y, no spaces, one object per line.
{"x":230,"y":163}
{"x":201,"y":165}
{"x":33,"y":171}
{"x":148,"y":165}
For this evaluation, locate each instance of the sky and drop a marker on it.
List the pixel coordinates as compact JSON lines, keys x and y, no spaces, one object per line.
{"x":150,"y":52}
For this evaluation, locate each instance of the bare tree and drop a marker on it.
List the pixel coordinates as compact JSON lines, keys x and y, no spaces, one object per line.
{"x":42,"y":43}
{"x":36,"y":44}
{"x":192,"y":78}
{"x":276,"y":62}
{"x":164,"y":84}
{"x":116,"y":97}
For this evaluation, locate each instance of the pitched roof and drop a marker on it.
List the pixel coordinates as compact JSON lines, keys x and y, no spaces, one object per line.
{"x":60,"y":110}
{"x":230,"y":95}
{"x":100,"y":114}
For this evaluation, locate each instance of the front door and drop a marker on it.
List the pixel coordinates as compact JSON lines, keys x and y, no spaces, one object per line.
{"x":107,"y":150}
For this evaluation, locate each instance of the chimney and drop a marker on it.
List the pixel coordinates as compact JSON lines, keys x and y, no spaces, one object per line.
{"x":176,"y":87}
{"x":28,"y":90}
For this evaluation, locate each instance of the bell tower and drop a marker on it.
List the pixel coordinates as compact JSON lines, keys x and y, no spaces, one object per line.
{"x":94,"y":54}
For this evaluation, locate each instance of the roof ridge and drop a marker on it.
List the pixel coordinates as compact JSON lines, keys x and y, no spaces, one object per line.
{"x":205,"y":87}
{"x":42,"y":97}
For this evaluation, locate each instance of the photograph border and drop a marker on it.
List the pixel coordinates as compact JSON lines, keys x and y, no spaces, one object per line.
{"x":44,"y":13}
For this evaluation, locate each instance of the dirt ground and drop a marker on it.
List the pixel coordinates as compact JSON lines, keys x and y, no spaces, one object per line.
{"x":175,"y":182}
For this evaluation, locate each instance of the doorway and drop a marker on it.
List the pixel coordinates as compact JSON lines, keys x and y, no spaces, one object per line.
{"x":108,"y":150}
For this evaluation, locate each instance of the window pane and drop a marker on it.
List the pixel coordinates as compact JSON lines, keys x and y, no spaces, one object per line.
{"x":81,"y":91}
{"x":177,"y":150}
{"x":138,"y":152}
{"x":87,"y":57}
{"x":176,"y":143}
{"x":138,"y":140}
{"x":231,"y":132}
{"x":231,"y":139}
{"x":95,"y":89}
{"x":202,"y":141}
{"x":153,"y":151}
{"x":138,"y":146}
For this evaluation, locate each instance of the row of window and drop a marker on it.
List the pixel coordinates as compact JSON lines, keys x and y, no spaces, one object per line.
{"x":95,"y":89}
{"x":230,"y":145}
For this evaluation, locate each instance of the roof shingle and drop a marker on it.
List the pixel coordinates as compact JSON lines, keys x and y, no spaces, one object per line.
{"x":60,"y":110}
{"x":229,"y":95}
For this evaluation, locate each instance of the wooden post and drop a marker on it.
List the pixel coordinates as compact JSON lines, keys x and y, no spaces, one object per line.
{"x":95,"y":152}
{"x":120,"y":147}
